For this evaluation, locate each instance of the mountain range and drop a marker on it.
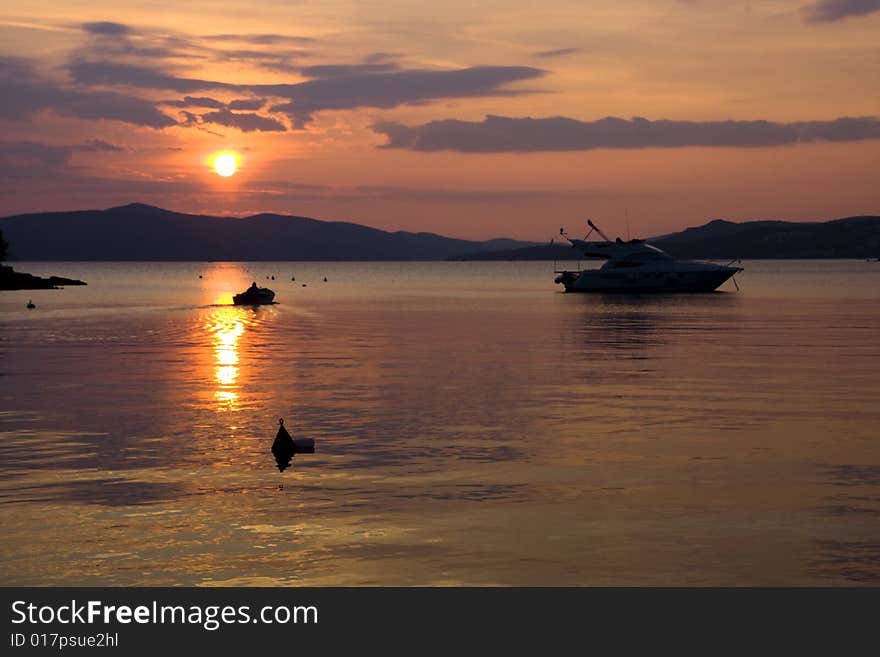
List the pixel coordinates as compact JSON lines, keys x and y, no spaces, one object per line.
{"x":851,"y":237}
{"x":143,"y":232}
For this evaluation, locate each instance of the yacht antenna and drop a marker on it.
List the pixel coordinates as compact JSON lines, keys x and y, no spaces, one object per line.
{"x":596,"y":228}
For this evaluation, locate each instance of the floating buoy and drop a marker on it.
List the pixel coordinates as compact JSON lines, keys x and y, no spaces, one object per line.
{"x":293,"y":278}
{"x":304,"y":284}
{"x":273,"y":278}
{"x":325,"y":279}
{"x":200,"y":275}
{"x":30,"y":304}
{"x":284,"y":448}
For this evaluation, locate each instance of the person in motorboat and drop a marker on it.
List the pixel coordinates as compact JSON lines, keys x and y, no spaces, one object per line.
{"x":254,"y":296}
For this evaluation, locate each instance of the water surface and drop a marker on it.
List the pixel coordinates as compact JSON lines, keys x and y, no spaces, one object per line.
{"x":473,"y":424}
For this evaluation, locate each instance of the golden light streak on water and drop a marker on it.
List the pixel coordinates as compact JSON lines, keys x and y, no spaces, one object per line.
{"x":226,"y":326}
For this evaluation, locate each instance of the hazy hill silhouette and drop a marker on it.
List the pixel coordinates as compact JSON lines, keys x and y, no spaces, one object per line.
{"x":143,"y":232}
{"x":851,"y":237}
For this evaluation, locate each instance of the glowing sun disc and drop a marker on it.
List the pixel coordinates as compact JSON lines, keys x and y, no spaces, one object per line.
{"x":225,"y":164}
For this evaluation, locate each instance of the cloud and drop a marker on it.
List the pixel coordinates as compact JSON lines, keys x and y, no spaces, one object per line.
{"x":455,"y":194}
{"x":826,"y":11}
{"x":247,"y":104}
{"x":24,"y":92}
{"x":245,"y":122}
{"x":376,"y":83}
{"x":336,"y":87}
{"x":381,"y":57}
{"x":29,"y":160}
{"x":391,"y":89}
{"x":195,"y":101}
{"x":260,"y":39}
{"x":106,"y":28}
{"x":498,"y":134}
{"x":340,"y":70}
{"x":98,"y":145}
{"x":103,"y":72}
{"x":561,"y":52}
{"x":280,"y":61}
{"x":112,"y":40}
{"x":32,"y":155}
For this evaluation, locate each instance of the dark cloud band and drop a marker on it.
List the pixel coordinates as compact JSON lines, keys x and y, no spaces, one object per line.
{"x":333,"y":87}
{"x":24,"y":92}
{"x":498,"y":134}
{"x":392,"y":89}
{"x":826,"y":11}
{"x":244,"y":121}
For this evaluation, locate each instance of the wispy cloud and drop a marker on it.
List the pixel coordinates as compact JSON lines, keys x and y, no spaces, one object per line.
{"x":340,"y":70}
{"x":29,"y":160}
{"x":112,"y":73}
{"x":826,"y":11}
{"x":106,"y":28}
{"x":25,"y":91}
{"x":99,"y":146}
{"x":395,"y":88}
{"x":561,"y":52}
{"x":498,"y":134}
{"x":251,"y":104}
{"x":260,"y":39}
{"x":333,"y":87}
{"x":196,"y":101}
{"x":244,"y":121}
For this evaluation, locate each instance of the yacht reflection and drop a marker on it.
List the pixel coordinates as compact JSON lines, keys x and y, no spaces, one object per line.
{"x":627,"y":322}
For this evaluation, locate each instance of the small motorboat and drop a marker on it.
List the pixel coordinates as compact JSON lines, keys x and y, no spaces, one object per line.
{"x":254,"y":296}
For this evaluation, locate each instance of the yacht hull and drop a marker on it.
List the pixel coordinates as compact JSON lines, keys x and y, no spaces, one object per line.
{"x":615,"y":281}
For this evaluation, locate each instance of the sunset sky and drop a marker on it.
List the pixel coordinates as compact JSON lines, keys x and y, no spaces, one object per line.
{"x":471,"y":119}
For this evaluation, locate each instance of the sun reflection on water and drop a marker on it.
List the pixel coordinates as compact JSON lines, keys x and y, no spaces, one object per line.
{"x":226,"y":325}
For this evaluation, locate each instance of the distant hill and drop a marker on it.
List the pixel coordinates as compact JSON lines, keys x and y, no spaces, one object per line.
{"x":852,"y":237}
{"x":555,"y":251}
{"x":144,"y":232}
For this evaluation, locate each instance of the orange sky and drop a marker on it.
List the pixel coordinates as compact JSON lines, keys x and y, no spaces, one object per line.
{"x":108,"y":103}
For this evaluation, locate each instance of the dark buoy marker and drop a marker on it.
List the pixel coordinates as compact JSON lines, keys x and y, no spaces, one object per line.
{"x":284,"y":447}
{"x":30,"y":305}
{"x":325,"y":279}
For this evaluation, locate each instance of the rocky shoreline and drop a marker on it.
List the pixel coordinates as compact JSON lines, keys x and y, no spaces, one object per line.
{"x":14,"y":280}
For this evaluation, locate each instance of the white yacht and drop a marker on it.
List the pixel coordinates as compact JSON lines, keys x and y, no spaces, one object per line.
{"x":635,"y":265}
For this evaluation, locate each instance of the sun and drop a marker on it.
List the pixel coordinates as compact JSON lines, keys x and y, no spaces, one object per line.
{"x":225,"y":164}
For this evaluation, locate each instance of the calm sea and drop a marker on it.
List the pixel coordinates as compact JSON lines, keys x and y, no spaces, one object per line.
{"x":473,"y":424}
